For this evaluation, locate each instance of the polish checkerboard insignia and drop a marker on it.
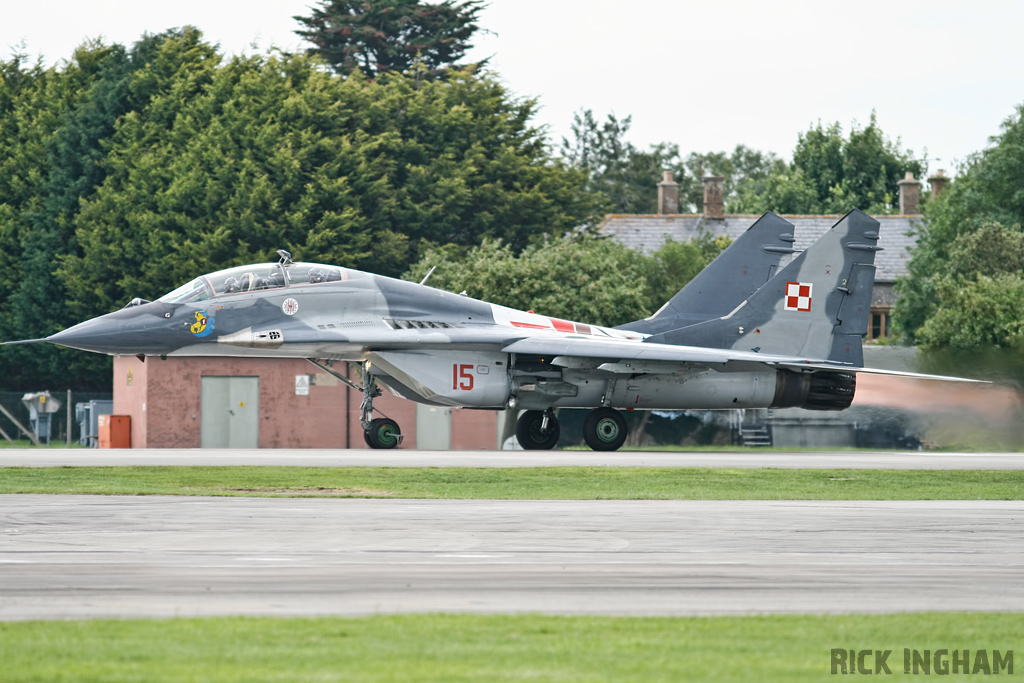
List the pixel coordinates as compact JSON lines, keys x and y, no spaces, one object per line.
{"x":798,"y":296}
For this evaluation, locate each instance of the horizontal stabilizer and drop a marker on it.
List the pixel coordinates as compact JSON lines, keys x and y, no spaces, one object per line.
{"x":878,"y":371}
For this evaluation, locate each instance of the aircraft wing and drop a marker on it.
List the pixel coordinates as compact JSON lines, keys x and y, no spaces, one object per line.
{"x":564,"y":349}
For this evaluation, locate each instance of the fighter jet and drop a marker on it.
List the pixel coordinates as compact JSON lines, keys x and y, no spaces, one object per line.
{"x":794,"y":339}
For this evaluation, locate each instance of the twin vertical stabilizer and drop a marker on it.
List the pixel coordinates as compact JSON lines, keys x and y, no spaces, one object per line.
{"x":817,"y":307}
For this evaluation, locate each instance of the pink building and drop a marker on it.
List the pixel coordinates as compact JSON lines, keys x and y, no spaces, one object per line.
{"x":273,"y":403}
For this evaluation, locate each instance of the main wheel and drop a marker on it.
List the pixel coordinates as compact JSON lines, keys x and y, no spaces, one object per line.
{"x":605,"y":429}
{"x":528,"y":431}
{"x":383,"y":433}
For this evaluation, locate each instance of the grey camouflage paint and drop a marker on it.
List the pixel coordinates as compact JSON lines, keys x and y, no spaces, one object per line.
{"x":734,"y":275}
{"x":445,"y":349}
{"x":839,"y":267}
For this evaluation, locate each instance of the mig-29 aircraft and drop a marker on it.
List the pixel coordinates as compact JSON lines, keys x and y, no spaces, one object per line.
{"x":744,"y":334}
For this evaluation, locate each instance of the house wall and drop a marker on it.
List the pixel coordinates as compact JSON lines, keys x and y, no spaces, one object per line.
{"x":163,"y":399}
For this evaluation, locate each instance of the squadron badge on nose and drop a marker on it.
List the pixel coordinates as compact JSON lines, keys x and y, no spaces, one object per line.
{"x":202,"y":326}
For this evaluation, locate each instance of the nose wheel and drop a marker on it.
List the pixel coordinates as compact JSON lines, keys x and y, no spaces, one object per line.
{"x":383,"y":432}
{"x":538,"y":430}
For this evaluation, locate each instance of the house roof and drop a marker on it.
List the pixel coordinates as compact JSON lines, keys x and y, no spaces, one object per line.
{"x":647,"y":233}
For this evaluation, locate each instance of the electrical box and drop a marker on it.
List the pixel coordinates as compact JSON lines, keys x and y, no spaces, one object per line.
{"x":115,"y":431}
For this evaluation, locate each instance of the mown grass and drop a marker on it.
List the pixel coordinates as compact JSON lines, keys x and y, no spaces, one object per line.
{"x":483,"y":648}
{"x":540,"y":483}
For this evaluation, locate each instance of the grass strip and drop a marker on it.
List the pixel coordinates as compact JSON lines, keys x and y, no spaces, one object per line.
{"x":434,"y":647}
{"x":540,"y":483}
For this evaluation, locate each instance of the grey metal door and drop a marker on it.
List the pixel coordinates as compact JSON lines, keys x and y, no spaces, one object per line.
{"x":230,"y":412}
{"x":433,"y":427}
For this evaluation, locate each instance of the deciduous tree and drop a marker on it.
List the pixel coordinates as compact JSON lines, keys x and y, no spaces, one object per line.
{"x":578,"y":277}
{"x":833,"y":173}
{"x":972,"y":230}
{"x":628,"y":177}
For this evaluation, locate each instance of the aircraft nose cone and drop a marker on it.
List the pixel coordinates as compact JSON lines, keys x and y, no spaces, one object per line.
{"x":151,"y":329}
{"x":98,"y":334}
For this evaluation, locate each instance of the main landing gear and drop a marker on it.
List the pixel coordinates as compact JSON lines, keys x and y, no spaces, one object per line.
{"x":537,"y":430}
{"x":604,"y":429}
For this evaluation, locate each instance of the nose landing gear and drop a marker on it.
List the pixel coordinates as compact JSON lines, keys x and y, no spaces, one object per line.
{"x":381,"y":432}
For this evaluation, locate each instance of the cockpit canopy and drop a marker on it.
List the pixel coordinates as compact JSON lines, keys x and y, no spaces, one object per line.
{"x":253,"y":278}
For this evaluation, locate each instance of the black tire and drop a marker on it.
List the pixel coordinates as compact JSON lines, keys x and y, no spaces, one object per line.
{"x":383,"y":433}
{"x":605,"y":429}
{"x":531,"y":437}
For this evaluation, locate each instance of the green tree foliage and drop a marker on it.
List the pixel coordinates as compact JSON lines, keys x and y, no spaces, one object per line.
{"x":676,"y":263}
{"x":233,"y":161}
{"x":981,"y":312}
{"x":376,"y":36}
{"x":832,"y":173}
{"x":745,"y":172}
{"x":972,"y":231}
{"x":625,"y":176}
{"x":125,"y":173}
{"x":583,"y":278}
{"x":628,"y":177}
{"x":55,"y":121}
{"x":978,"y":292}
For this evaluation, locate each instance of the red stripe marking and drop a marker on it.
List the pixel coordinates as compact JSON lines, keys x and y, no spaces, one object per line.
{"x":530,"y":325}
{"x":561,"y":325}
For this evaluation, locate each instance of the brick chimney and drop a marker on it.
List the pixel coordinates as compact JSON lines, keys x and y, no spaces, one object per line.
{"x":910,"y":195}
{"x":714,"y":197}
{"x":668,"y":194}
{"x":938,"y":183}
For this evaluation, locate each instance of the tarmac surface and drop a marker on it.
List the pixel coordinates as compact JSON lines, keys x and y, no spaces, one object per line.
{"x":414,"y":458}
{"x":72,"y":556}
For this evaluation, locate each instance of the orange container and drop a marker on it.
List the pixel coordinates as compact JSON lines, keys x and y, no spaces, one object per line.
{"x":115,"y":431}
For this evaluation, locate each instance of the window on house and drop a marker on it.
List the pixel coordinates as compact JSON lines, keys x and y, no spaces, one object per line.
{"x":881,"y":322}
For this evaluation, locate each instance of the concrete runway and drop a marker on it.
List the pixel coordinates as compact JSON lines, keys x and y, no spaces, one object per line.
{"x":907,"y":460}
{"x":113,"y":556}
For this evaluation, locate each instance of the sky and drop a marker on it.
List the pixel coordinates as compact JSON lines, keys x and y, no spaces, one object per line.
{"x":709,"y":75}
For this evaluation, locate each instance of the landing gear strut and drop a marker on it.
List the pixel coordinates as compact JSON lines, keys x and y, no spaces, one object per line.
{"x":381,"y":432}
{"x":605,"y":429}
{"x":538,"y":430}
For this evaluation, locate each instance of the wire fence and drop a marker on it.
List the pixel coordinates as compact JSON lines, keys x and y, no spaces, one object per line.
{"x":12,"y":403}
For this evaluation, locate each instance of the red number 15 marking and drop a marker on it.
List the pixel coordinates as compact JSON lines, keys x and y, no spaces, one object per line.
{"x":461,"y":377}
